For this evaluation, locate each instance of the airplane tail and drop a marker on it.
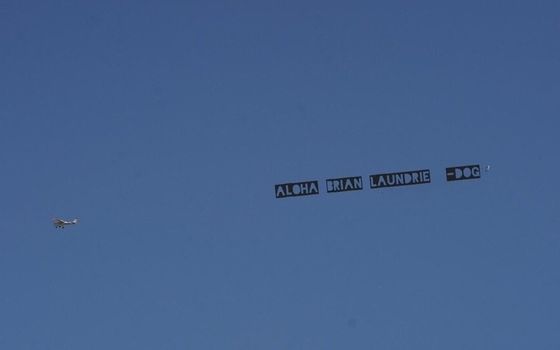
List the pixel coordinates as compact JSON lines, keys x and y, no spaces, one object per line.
{"x":75,"y":221}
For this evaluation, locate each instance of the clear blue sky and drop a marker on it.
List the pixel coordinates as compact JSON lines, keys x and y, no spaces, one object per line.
{"x":164,"y":126}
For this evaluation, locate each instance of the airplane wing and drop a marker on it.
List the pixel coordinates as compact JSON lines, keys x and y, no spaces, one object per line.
{"x":58,"y":221}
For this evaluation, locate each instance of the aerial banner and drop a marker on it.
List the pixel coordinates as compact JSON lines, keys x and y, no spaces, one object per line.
{"x":376,"y":181}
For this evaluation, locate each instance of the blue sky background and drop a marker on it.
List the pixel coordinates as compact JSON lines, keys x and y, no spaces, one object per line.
{"x":164,"y":126}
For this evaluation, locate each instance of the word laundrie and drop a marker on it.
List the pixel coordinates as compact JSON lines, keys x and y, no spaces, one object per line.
{"x":404,"y":178}
{"x":376,"y":181}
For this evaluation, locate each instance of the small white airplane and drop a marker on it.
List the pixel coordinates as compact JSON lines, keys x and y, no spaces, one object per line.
{"x":59,"y":223}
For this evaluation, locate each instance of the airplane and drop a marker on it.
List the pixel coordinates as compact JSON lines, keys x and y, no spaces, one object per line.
{"x":59,"y":223}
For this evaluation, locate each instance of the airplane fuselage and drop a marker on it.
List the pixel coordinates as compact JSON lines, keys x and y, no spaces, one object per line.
{"x":58,"y":223}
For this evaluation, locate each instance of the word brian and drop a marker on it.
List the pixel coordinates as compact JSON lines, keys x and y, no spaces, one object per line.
{"x":343,"y":184}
